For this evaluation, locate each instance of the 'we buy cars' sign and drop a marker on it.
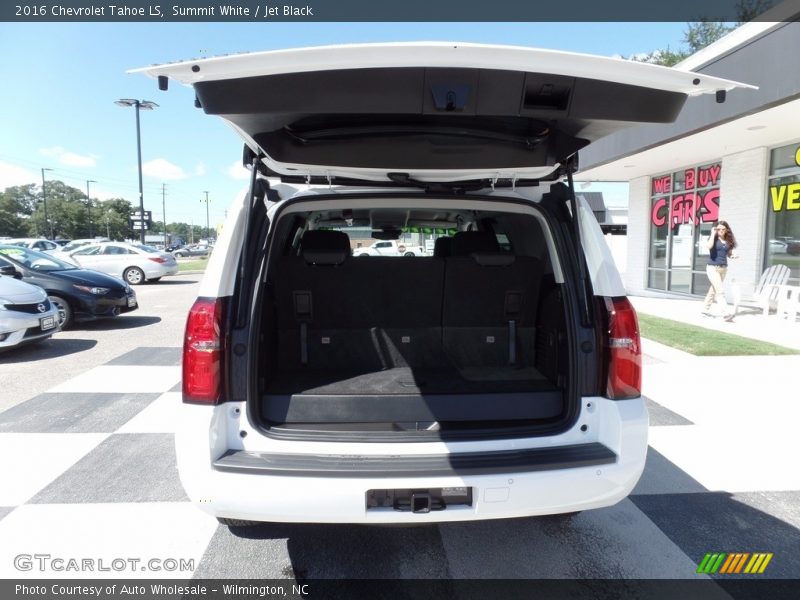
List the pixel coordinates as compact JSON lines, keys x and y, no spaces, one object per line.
{"x":697,"y":202}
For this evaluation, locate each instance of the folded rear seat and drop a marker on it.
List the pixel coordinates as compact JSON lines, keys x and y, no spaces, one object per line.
{"x":490,"y":303}
{"x":319,"y":308}
{"x":336,"y":313}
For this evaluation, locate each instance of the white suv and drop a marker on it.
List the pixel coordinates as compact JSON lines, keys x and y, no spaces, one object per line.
{"x":499,"y":377}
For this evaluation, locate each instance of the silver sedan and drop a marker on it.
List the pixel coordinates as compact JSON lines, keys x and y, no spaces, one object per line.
{"x":134,"y":263}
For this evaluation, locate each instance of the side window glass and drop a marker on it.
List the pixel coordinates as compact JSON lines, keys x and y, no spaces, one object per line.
{"x":503,"y":242}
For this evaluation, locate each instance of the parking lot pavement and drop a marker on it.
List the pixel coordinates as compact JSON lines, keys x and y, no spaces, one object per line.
{"x":93,"y":476}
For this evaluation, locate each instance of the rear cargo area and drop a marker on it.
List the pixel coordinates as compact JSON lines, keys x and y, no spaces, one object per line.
{"x":471,"y":337}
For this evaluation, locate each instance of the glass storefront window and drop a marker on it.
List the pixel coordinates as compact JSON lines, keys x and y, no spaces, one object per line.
{"x":783,"y":210}
{"x":683,"y":206}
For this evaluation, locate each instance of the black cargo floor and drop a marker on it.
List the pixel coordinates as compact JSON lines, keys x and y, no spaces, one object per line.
{"x":404,"y":380}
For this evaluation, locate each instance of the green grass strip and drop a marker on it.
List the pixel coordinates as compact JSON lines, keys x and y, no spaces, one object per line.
{"x":705,"y":342}
{"x":192,"y":265}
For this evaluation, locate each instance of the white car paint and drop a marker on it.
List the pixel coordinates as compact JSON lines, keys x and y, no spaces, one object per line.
{"x":24,"y":307}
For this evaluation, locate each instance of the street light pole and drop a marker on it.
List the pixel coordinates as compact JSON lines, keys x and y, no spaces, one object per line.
{"x":89,"y":207}
{"x":44,"y":202}
{"x":143,"y":105}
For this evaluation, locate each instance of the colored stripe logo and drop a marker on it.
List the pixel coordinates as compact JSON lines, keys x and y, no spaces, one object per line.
{"x":732,"y":563}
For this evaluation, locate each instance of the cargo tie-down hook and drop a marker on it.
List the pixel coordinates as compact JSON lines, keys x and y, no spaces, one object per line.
{"x":494,"y":180}
{"x":330,"y":180}
{"x":514,"y":183}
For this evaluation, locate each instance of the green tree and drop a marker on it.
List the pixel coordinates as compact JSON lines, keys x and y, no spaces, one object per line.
{"x":697,"y":36}
{"x":67,"y":210}
{"x":704,"y":32}
{"x":111,"y":218}
{"x":16,"y":206}
{"x":191,"y":233}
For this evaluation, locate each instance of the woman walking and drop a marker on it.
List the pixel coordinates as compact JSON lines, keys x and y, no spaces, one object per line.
{"x":721,"y":243}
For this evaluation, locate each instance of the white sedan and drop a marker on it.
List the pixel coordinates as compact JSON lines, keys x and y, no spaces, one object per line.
{"x":134,"y":263}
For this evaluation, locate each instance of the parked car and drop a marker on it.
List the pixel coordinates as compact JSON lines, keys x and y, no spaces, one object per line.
{"x":777,"y":247}
{"x":390,"y":248}
{"x":64,"y":252}
{"x":191,"y":250}
{"x":26,"y":315}
{"x":40,"y":244}
{"x":135,"y":263}
{"x":501,"y":381}
{"x":78,"y":294}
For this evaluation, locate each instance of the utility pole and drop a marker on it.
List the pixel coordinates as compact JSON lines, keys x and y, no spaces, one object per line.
{"x":89,"y":207}
{"x":164,"y":211}
{"x":47,"y":227}
{"x":208,"y":228}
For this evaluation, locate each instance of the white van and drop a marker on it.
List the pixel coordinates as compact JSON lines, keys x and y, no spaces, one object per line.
{"x":499,"y":377}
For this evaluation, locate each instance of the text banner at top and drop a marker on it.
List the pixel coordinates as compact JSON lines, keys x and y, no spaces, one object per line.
{"x":405,"y":11}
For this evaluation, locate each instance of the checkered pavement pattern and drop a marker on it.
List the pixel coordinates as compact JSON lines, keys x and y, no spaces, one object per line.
{"x":89,"y":472}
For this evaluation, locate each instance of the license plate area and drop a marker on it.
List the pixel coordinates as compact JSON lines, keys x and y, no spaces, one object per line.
{"x":46,"y":323}
{"x":419,"y":500}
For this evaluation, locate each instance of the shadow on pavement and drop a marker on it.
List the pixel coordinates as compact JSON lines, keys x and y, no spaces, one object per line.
{"x":166,"y":281}
{"x":121,"y":322}
{"x":52,"y":348}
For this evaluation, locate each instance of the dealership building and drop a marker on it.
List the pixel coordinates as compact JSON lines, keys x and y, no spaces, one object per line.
{"x":736,"y":160}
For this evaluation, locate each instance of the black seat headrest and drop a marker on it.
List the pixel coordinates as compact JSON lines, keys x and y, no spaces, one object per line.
{"x":466,"y":242}
{"x":320,"y":247}
{"x":442,"y":246}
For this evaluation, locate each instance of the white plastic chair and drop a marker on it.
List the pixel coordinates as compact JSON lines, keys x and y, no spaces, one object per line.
{"x":789,"y":302}
{"x":765,"y":294}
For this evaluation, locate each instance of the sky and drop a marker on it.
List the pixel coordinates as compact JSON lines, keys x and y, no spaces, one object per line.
{"x":60,"y":81}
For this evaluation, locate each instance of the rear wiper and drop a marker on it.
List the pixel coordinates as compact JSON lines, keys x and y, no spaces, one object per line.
{"x":335,"y":133}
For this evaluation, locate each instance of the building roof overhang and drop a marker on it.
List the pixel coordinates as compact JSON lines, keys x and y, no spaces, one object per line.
{"x":772,"y":127}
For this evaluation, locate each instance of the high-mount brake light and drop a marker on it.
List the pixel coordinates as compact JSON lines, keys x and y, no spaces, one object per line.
{"x":203,"y":352}
{"x":623,"y":350}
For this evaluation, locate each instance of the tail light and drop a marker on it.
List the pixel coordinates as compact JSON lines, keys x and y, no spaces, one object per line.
{"x":203,"y":352}
{"x":623,"y":350}
{"x":159,"y":259}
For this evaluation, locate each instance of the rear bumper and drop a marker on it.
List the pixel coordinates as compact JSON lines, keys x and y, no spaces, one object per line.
{"x":160,"y":270}
{"x":511,"y":478}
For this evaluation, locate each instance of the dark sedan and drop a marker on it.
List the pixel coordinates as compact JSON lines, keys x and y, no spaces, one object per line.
{"x":192,"y":250}
{"x":79,"y":294}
